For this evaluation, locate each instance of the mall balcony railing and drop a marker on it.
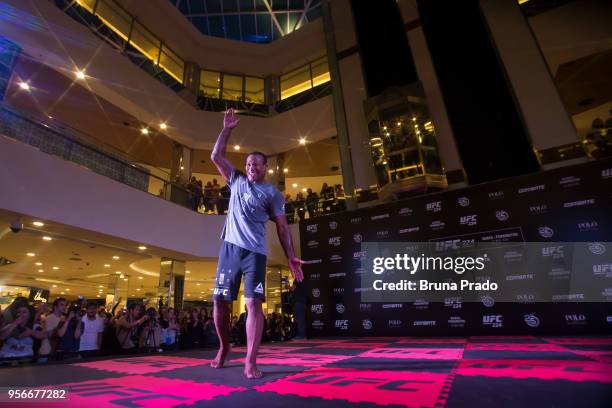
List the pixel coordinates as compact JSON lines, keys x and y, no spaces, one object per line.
{"x":61,"y":140}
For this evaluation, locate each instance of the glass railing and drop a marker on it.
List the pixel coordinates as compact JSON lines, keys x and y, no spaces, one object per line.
{"x":61,"y":140}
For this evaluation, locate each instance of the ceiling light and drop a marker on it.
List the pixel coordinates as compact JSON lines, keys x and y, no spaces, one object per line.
{"x":38,"y":264}
{"x":125,"y":279}
{"x":187,"y":271}
{"x":46,"y":238}
{"x":68,"y":289}
{"x":304,"y":190}
{"x":118,"y":272}
{"x":294,"y":185}
{"x":144,"y":131}
{"x":142,"y":248}
{"x":385,"y":163}
{"x":31,"y":254}
{"x":137,"y":289}
{"x":56,"y":268}
{"x":97,"y":295}
{"x":399,"y":123}
{"x":163,"y":126}
{"x":24,"y":85}
{"x":285,"y":170}
{"x":38,"y":224}
{"x":140,"y":277}
{"x":61,"y":293}
{"x":182,"y":168}
{"x":79,"y":74}
{"x":41,"y":270}
{"x":197,"y":284}
{"x":236,"y":147}
{"x":101,"y":286}
{"x":384,"y":128}
{"x":302,"y":140}
{"x":122,"y":276}
{"x":270,"y":171}
{"x":107,"y":265}
{"x":55,"y":286}
{"x":115,"y":257}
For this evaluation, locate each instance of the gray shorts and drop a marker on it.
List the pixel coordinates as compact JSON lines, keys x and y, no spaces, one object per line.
{"x":235,"y":261}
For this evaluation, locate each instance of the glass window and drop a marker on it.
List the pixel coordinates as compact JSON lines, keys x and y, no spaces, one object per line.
{"x":172,"y":63}
{"x":145,"y":41}
{"x":87,"y":5}
{"x":210,"y":84}
{"x":254,"y":90}
{"x":114,"y":17}
{"x":320,"y":71}
{"x":232,"y":88}
{"x":294,"y":82}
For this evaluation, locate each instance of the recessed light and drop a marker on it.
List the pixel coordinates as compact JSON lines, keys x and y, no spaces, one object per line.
{"x":140,"y":277}
{"x":304,"y":190}
{"x":55,"y":286}
{"x":97,"y":295}
{"x":24,"y":85}
{"x":197,"y":284}
{"x":137,"y":290}
{"x":61,"y":293}
{"x":79,"y":74}
{"x":107,"y":265}
{"x":187,"y":271}
{"x":270,"y":171}
{"x":46,"y":238}
{"x":236,"y":147}
{"x":285,"y":170}
{"x":41,"y":270}
{"x":101,"y":286}
{"x":118,"y":272}
{"x":56,"y":267}
{"x":163,"y":126}
{"x":142,"y":248}
{"x":294,"y":185}
{"x":31,"y":254}
{"x":302,"y":140}
{"x":38,"y":224}
{"x":38,"y":263}
{"x":115,"y":257}
{"x":68,"y":289}
{"x":144,"y":131}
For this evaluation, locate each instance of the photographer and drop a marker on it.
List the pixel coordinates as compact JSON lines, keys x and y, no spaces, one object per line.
{"x":19,"y":335}
{"x":69,"y":332}
{"x":150,"y":335}
{"x":127,"y":327}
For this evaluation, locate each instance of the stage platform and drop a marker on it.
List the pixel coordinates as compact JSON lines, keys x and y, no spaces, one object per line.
{"x":488,"y":371}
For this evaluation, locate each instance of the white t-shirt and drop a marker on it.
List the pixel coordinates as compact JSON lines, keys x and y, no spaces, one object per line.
{"x":89,"y":337}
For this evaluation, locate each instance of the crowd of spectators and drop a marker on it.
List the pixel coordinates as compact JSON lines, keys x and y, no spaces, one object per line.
{"x":80,"y":329}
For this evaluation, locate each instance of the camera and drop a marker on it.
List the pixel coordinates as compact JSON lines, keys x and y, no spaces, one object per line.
{"x":76,"y":309}
{"x":16,"y":226}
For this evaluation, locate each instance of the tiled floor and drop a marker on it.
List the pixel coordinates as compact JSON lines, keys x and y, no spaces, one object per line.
{"x":361,"y":372}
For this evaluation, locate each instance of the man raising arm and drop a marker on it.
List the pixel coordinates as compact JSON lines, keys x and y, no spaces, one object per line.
{"x":253,"y":202}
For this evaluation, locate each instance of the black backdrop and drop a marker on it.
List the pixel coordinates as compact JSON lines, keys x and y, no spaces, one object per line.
{"x":570,"y":204}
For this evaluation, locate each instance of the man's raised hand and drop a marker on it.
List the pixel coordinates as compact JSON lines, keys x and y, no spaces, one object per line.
{"x":230,"y":120}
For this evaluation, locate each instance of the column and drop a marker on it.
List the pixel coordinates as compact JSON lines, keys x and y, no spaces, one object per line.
{"x":191,"y":82}
{"x":344,"y":143}
{"x":543,"y":113}
{"x":171,"y":283}
{"x":180,"y":173}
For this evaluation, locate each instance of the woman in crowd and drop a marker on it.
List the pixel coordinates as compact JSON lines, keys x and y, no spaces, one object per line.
{"x":19,"y":334}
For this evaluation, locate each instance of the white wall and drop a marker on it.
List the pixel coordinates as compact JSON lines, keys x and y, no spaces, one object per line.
{"x":39,"y":185}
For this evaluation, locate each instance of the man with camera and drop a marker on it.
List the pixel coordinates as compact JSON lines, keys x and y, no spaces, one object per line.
{"x":69,"y":333}
{"x":127,"y":327}
{"x":150,"y":335}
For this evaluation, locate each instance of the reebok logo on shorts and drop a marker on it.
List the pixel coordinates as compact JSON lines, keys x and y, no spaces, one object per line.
{"x":259,"y":288}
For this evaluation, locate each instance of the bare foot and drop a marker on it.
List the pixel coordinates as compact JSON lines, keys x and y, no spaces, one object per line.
{"x":219,"y":360}
{"x":251,"y":371}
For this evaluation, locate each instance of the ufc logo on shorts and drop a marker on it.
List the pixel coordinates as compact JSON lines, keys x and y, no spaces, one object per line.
{"x":220,"y":291}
